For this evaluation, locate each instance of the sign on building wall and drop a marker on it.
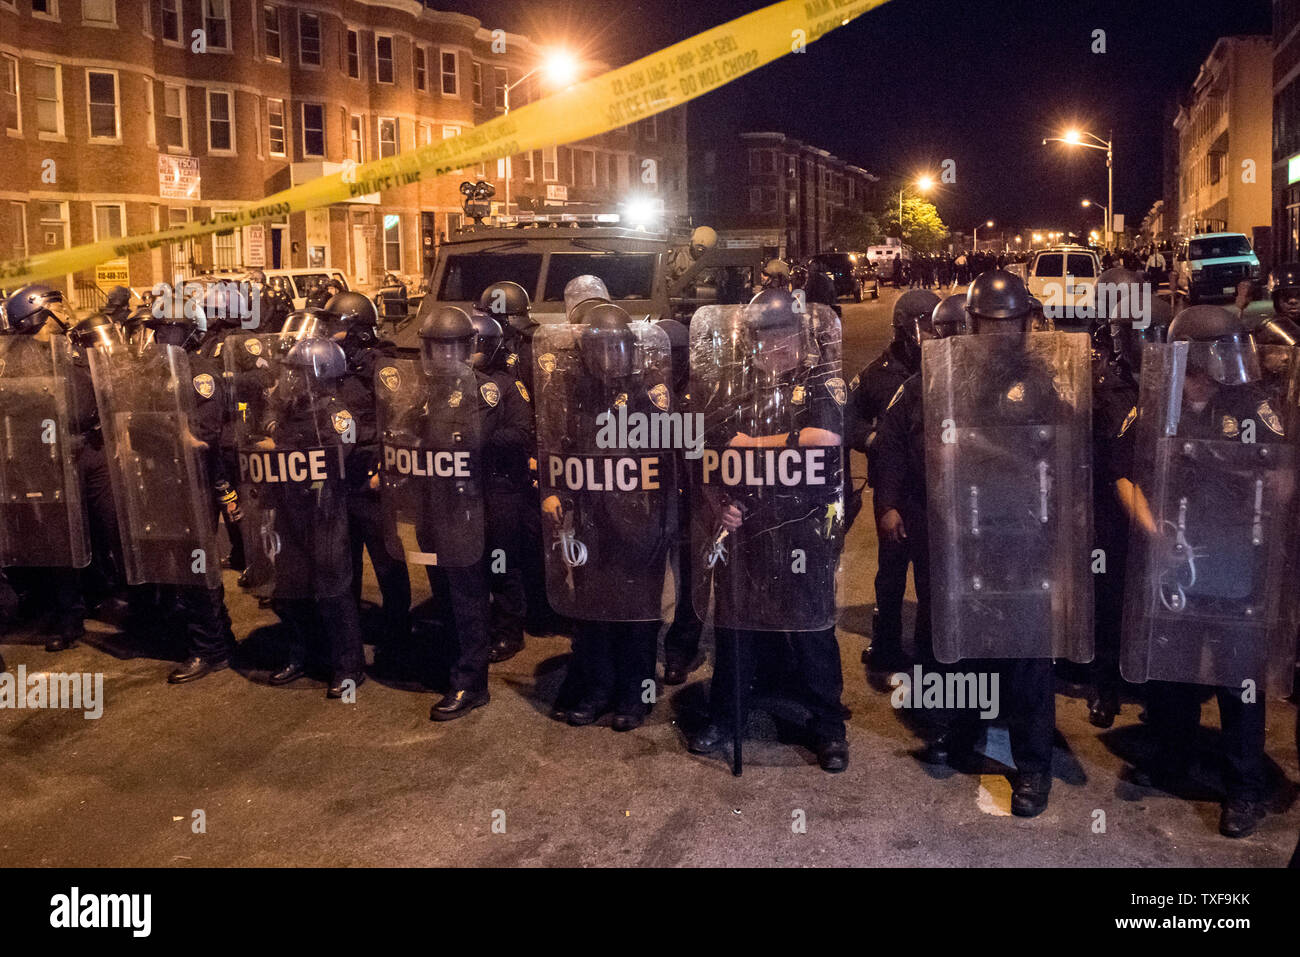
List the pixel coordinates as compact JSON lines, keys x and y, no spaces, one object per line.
{"x":178,"y":177}
{"x":318,"y":237}
{"x":557,"y":193}
{"x":115,"y":272}
{"x":255,"y":246}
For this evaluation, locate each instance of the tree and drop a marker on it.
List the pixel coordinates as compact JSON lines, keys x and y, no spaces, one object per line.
{"x":850,"y":229}
{"x":922,"y":228}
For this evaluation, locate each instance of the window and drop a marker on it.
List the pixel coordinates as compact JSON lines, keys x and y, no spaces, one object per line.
{"x":100,"y":13}
{"x":108,"y":221}
{"x":388,"y":142}
{"x":271,"y":32}
{"x":173,"y":133}
{"x":585,"y":164}
{"x":182,"y":252}
{"x":147,"y":10}
{"x":48,"y":9}
{"x":275,"y":126}
{"x":423,"y":134}
{"x":356,"y":139}
{"x":354,"y":55}
{"x":313,"y":129}
{"x":171,"y":21}
{"x":49,"y":99}
{"x":755,"y":199}
{"x":501,"y":80}
{"x":467,"y":275}
{"x":13,"y":231}
{"x":221,"y":126}
{"x":650,"y":130}
{"x":393,"y":242}
{"x":451,"y":132}
{"x":549,"y":165}
{"x":308,"y":39}
{"x":626,"y":275}
{"x":102,"y":105}
{"x":383,"y":59}
{"x":421,"y":67}
{"x":450,"y":61}
{"x":478,"y":84}
{"x":526,"y":164}
{"x":225,"y":247}
{"x":9,"y":111}
{"x":216,"y":21}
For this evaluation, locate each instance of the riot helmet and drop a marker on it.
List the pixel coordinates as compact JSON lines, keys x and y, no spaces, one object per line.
{"x":29,"y":309}
{"x":487,"y":340}
{"x":912,"y":309}
{"x":1136,"y":322}
{"x":997,"y":301}
{"x":579,"y":314}
{"x":1228,"y":355}
{"x":310,"y":367}
{"x":776,"y":331}
{"x":98,"y":331}
{"x":607,"y":343}
{"x":355,"y":315}
{"x":1286,"y":291}
{"x":171,"y":323}
{"x":581,"y":288}
{"x":949,"y":316}
{"x":309,"y":323}
{"x":446,"y":340}
{"x":508,"y":303}
{"x":118,"y":304}
{"x":776,"y":274}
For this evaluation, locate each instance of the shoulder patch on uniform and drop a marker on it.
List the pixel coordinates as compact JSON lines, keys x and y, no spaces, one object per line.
{"x":898,"y":394}
{"x":836,"y":388}
{"x":342,"y":421}
{"x":204,"y":385}
{"x":491,"y":394}
{"x":1270,"y":418}
{"x":659,"y":396}
{"x":1128,"y":420}
{"x":546,"y":362}
{"x":253,"y":345}
{"x":522,"y":390}
{"x":390,"y":378}
{"x":1230,"y":427}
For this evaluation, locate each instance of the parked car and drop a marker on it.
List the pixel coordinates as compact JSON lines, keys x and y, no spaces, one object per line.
{"x":1064,"y":279}
{"x":1209,"y":266}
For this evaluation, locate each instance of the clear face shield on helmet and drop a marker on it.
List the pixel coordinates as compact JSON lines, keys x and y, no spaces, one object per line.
{"x":778,"y":351}
{"x":608,"y":354}
{"x":106,"y":337}
{"x":1128,"y":341}
{"x":304,"y":325}
{"x":485,"y":351}
{"x":61,"y":313}
{"x":445,"y":356}
{"x":1232,"y":360}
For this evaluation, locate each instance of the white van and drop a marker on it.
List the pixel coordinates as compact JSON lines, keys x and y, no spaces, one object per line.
{"x":299,"y":283}
{"x":1064,"y":279}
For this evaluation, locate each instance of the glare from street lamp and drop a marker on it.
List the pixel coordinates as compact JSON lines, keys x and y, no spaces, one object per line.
{"x":924,"y":183}
{"x":561,"y":67}
{"x":989,"y":224}
{"x":1086,"y":202}
{"x":1071,"y":136}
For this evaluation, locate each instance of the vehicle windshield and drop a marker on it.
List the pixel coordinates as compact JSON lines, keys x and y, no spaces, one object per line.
{"x":468,"y":274}
{"x":831,"y":264}
{"x":626,"y":275}
{"x":1218,"y":247}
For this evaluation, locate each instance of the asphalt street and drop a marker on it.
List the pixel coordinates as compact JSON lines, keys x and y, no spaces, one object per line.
{"x":284,"y":777}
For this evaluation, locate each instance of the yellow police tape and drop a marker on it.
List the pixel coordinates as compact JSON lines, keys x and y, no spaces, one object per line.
{"x":653,"y":84}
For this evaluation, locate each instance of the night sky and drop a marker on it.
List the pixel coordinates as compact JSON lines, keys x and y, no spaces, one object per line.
{"x":919,"y":81}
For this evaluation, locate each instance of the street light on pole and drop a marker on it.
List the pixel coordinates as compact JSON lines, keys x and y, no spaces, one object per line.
{"x":1076,"y":138}
{"x":923,"y":183}
{"x":1105,"y":211}
{"x":561,"y":68}
{"x":975,"y":234}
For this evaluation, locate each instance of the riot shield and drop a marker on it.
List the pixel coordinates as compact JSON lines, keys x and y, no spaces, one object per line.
{"x":1208,"y":598}
{"x":294,"y":440}
{"x":158,"y":468}
{"x":773,"y":427}
{"x":1008,"y":424}
{"x":431,"y":479}
{"x":42,"y":506}
{"x":607,"y":440}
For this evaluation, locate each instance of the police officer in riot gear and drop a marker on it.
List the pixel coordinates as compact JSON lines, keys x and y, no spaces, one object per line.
{"x":869,"y":395}
{"x":977,"y":400}
{"x":949,"y":317}
{"x":513,"y":520}
{"x":351,"y":320}
{"x":45,"y":546}
{"x":296,"y":443}
{"x":610,"y":536}
{"x":767,"y":377}
{"x":117,"y":306}
{"x":508,"y":304}
{"x":1208,"y":496}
